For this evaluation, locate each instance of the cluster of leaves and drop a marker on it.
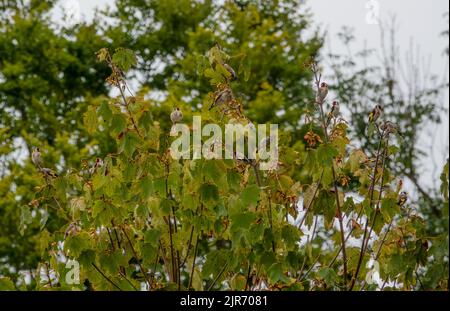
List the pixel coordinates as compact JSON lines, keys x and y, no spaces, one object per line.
{"x":139,"y":219}
{"x":49,"y":79}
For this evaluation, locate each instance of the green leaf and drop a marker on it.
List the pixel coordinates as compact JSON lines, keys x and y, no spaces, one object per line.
{"x":76,"y":244}
{"x":102,"y":54}
{"x":152,"y":236}
{"x":308,"y":196}
{"x":90,"y":119}
{"x":44,"y":218}
{"x":6,"y":284}
{"x":326,"y":201}
{"x":25,"y":218}
{"x":77,"y":205}
{"x":189,"y":202}
{"x":118,"y":124}
{"x":197,"y":282}
{"x":209,"y":193}
{"x":389,"y":208}
{"x":355,"y":159}
{"x":124,"y":58}
{"x":146,"y":121}
{"x":129,"y":143}
{"x":290,"y":235}
{"x":213,"y":170}
{"x":242,"y":220}
{"x":238,"y":282}
{"x":215,"y":77}
{"x":146,"y":187}
{"x":275,"y":273}
{"x":250,"y":195}
{"x":234,"y":179}
{"x":105,"y":112}
{"x":165,"y":206}
{"x":328,"y":275}
{"x":393,"y":149}
{"x":214,"y":263}
{"x":326,"y":154}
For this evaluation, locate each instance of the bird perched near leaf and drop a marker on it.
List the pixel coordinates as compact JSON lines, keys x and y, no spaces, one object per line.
{"x":230,"y":70}
{"x":176,"y":115}
{"x":242,"y":158}
{"x":322,"y":92}
{"x":389,"y":127}
{"x":375,"y":114}
{"x":72,"y":229}
{"x":48,"y":173}
{"x":402,"y":198}
{"x":97,"y":165}
{"x":36,"y":157}
{"x":334,"y":112}
{"x":223,"y":97}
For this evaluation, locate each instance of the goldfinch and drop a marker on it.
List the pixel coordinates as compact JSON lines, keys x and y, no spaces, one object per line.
{"x":375,"y":114}
{"x":242,"y":158}
{"x":389,"y":127}
{"x":176,"y":115}
{"x":36,"y":157}
{"x":98,"y":164}
{"x":48,"y":173}
{"x":402,"y":198}
{"x":230,"y":70}
{"x":72,"y":229}
{"x":334,"y":112}
{"x":225,"y":96}
{"x":322,"y":93}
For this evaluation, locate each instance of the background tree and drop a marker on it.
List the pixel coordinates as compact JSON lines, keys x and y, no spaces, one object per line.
{"x":410,"y":95}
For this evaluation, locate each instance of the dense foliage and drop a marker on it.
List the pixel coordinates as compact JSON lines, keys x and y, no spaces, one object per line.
{"x":133,"y":217}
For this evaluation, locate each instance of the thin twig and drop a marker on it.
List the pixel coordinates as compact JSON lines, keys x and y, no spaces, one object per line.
{"x":312,"y":200}
{"x":333,"y":170}
{"x":48,"y":275}
{"x":310,"y":268}
{"x":217,"y":277}
{"x":193,"y":264}
{"x":137,"y":258}
{"x":116,"y":234}
{"x":110,"y":239}
{"x":372,"y":191}
{"x":129,"y":282}
{"x":188,"y":248}
{"x":248,"y":275}
{"x":270,"y":221}
{"x":107,"y":278}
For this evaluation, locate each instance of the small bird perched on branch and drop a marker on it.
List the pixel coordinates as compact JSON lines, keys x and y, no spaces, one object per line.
{"x":322,"y":93}
{"x":36,"y":157}
{"x":375,"y":114}
{"x":72,"y":229}
{"x":97,"y":165}
{"x":225,"y":96}
{"x":402,"y":198}
{"x":48,"y":173}
{"x":176,"y":115}
{"x":389,"y":127}
{"x":230,"y":70}
{"x":334,"y":112}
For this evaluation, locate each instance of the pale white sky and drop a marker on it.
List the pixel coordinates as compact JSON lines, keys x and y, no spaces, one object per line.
{"x":419,"y":24}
